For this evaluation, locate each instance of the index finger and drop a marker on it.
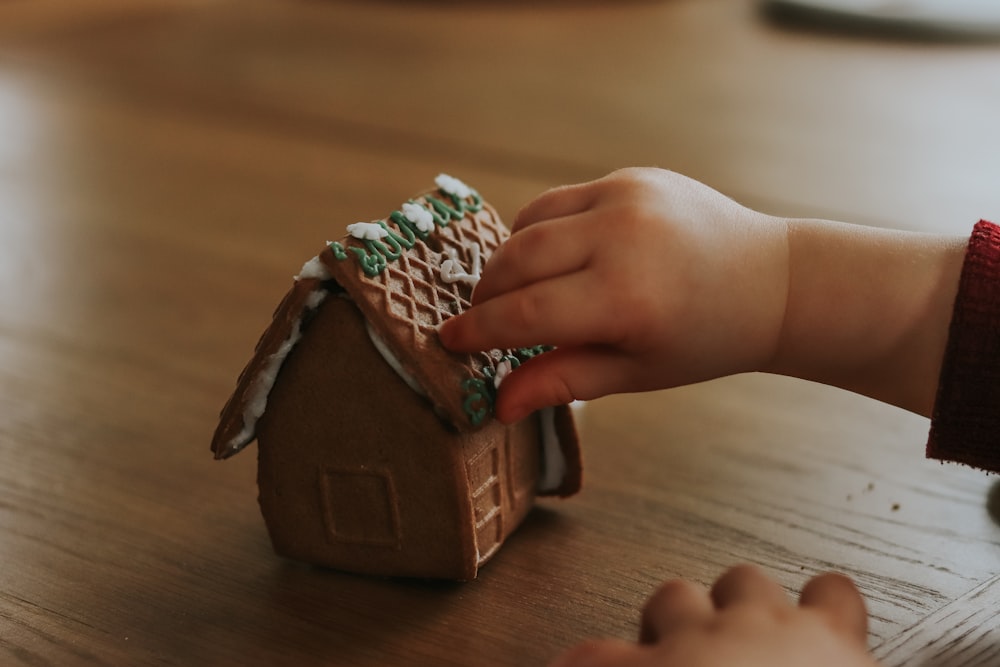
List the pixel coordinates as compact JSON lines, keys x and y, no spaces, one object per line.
{"x":538,"y":314}
{"x":546,"y":250}
{"x":558,"y":202}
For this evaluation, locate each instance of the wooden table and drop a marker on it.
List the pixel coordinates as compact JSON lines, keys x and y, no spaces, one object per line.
{"x":166,"y":167}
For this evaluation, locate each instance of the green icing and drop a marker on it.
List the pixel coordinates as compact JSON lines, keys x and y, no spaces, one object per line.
{"x":338,"y":250}
{"x":479,"y":398}
{"x":525,"y":353}
{"x":371,"y":263}
{"x":481,"y":392}
{"x":477,"y":202}
{"x":410,"y":230}
{"x":374,"y":255}
{"x":391,"y":249}
{"x":443,"y":212}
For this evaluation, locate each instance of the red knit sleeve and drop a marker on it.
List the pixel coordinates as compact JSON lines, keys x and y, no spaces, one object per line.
{"x":965,"y":425}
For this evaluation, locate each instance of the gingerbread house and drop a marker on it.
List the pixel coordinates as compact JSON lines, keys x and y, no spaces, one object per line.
{"x":378,"y":451}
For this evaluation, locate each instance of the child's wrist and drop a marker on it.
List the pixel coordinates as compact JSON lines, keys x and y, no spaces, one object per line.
{"x":868,"y":309}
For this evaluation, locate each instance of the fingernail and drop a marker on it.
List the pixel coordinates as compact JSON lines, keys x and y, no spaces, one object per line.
{"x":446,"y":332}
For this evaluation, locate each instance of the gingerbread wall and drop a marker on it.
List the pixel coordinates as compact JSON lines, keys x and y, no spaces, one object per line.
{"x":356,"y":472}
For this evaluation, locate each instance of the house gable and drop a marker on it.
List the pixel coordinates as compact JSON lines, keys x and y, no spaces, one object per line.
{"x":406,"y":273}
{"x":399,"y":282}
{"x":355,"y":471}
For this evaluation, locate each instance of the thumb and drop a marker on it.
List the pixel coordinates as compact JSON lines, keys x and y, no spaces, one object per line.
{"x":560,"y":376}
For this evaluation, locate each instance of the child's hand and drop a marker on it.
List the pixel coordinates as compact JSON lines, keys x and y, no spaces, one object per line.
{"x":643,"y":280}
{"x":745,"y":621}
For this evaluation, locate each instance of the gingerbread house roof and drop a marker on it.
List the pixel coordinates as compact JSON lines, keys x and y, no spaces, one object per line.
{"x":406,"y":273}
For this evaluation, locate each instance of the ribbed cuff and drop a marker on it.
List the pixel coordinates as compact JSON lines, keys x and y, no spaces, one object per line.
{"x":965,"y":425}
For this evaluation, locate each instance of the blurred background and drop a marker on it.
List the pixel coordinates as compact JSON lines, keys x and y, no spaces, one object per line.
{"x":191,"y":122}
{"x":167,"y":166}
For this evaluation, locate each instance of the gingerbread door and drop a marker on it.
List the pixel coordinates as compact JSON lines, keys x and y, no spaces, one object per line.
{"x":502,"y":481}
{"x":486,"y":486}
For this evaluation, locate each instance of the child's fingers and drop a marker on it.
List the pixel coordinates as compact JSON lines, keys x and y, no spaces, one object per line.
{"x":542,"y":251}
{"x":548,"y":312}
{"x":559,"y":377}
{"x":675,"y":604}
{"x":838,"y":599}
{"x":746,"y":583}
{"x":556,"y":203}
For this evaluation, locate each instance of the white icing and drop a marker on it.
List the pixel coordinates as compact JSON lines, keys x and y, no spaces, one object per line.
{"x":503,"y":370}
{"x":419,"y":216}
{"x":314,"y":299}
{"x":453,"y":272}
{"x":314,"y":268}
{"x":553,"y":461}
{"x":392,"y":360}
{"x":367,"y":231}
{"x":453,"y":186}
{"x":257,"y":400}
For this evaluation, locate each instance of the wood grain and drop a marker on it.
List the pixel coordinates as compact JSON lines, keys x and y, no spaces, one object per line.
{"x":962,"y":632}
{"x":165,"y":169}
